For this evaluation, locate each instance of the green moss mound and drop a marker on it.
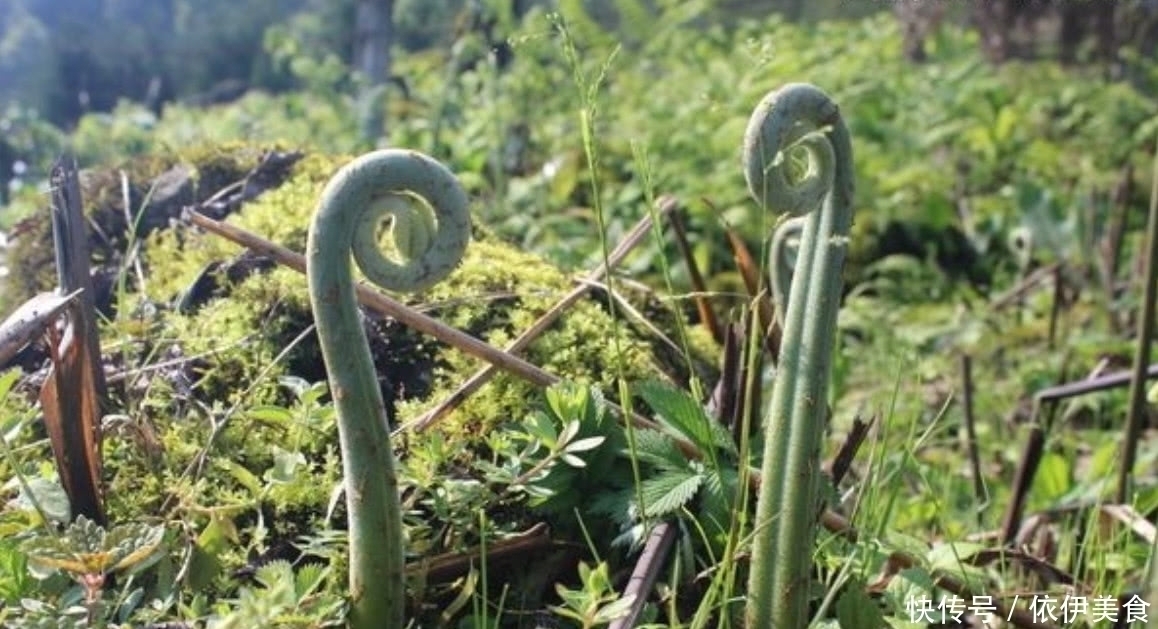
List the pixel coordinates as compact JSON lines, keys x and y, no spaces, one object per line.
{"x":216,"y":373}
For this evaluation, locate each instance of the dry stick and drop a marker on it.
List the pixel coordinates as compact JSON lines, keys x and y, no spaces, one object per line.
{"x":1055,"y":308}
{"x":1091,"y":385}
{"x":724,"y":398}
{"x":699,"y":287}
{"x":382,"y":303}
{"x":1135,"y":419}
{"x":971,"y":434}
{"x":1111,"y":245}
{"x":1027,"y":284}
{"x":408,"y":316}
{"x":29,"y":321}
{"x":1047,"y":399}
{"x":482,"y":376}
{"x":447,"y":566}
{"x":646,"y":571}
{"x":842,"y":463}
{"x":1026,"y":469}
{"x":631,"y":312}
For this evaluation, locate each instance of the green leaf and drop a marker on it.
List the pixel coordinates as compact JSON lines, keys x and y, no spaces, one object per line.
{"x":285,"y":465}
{"x":309,"y":578}
{"x":49,"y":495}
{"x":668,"y":492}
{"x":910,"y":584}
{"x":950,"y":556}
{"x":569,"y":431}
{"x":716,"y":503}
{"x":857,"y":610}
{"x":270,"y":414}
{"x":568,"y":400}
{"x":572,"y":460}
{"x":539,"y":426}
{"x":7,"y":379}
{"x":682,"y":414}
{"x":595,"y":580}
{"x":273,"y":573}
{"x":659,"y":449}
{"x":15,"y":580}
{"x":582,"y":445}
{"x":215,"y":539}
{"x":1054,"y":477}
{"x":248,"y":479}
{"x":616,"y":609}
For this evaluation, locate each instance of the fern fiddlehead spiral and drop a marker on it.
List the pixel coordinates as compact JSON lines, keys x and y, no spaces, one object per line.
{"x":431,"y":228}
{"x":797,"y":118}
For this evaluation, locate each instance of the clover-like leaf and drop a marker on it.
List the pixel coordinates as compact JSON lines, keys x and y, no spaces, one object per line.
{"x":86,"y":548}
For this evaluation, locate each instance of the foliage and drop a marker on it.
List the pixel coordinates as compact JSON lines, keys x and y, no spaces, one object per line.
{"x":285,"y":599}
{"x":88,"y":554}
{"x":223,"y":429}
{"x":596,"y":603}
{"x":86,"y":549}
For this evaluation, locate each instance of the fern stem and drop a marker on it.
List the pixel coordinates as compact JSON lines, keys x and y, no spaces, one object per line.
{"x":431,"y":238}
{"x":797,"y":116}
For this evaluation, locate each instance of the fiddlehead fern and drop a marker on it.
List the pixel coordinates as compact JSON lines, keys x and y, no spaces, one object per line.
{"x":431,"y":226}
{"x":782,"y":254}
{"x":797,"y":118}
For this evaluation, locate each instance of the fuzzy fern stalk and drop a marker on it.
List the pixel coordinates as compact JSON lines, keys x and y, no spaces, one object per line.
{"x":431,"y":228}
{"x":797,"y":160}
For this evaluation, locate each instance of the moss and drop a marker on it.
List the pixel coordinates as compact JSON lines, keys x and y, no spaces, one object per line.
{"x":194,"y":174}
{"x":497,"y":292}
{"x":230,"y":353}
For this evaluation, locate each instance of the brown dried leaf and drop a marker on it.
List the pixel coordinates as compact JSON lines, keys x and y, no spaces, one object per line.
{"x":72,"y":418}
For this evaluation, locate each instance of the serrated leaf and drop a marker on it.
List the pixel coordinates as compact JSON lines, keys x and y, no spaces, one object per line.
{"x":309,"y":578}
{"x":717,"y":498}
{"x":679,"y":412}
{"x":567,"y":400}
{"x":273,"y":573}
{"x":86,"y":548}
{"x":722,"y":437}
{"x":138,"y":546}
{"x":668,"y":492}
{"x":659,"y":449}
